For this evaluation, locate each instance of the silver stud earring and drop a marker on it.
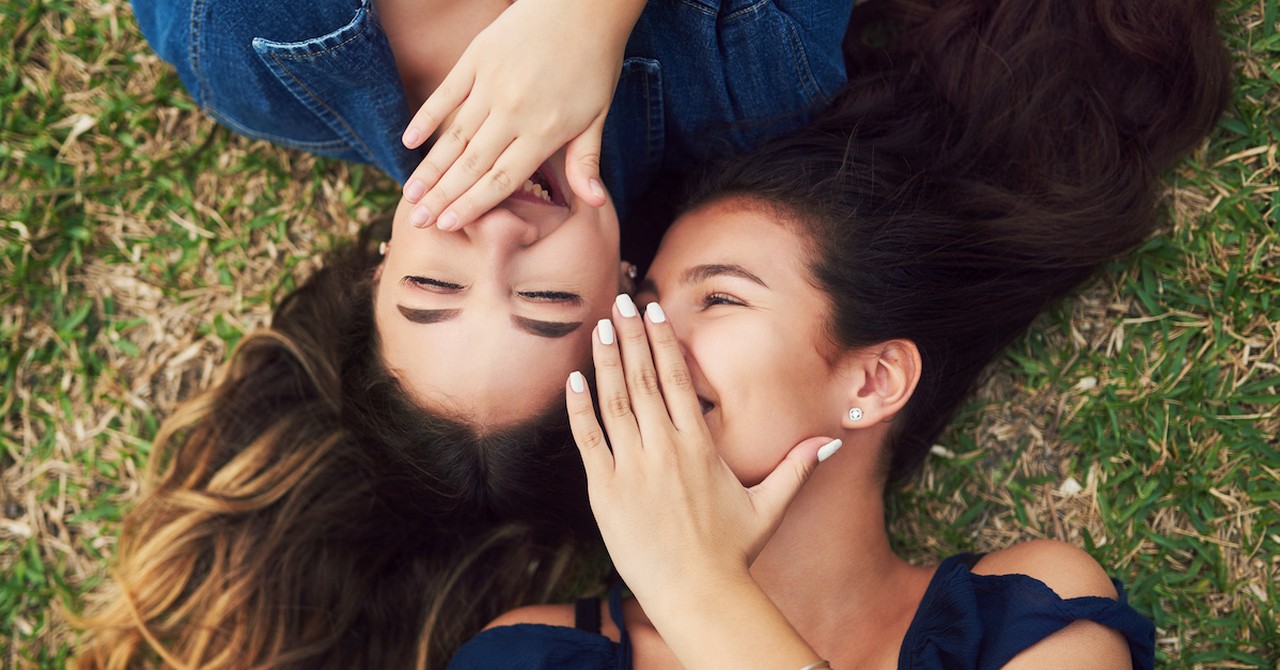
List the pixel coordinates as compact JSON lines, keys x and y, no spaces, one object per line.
{"x":632,"y":272}
{"x":855,"y":414}
{"x":382,"y":248}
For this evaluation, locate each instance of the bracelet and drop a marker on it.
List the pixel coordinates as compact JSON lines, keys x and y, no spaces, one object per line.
{"x":817,"y":665}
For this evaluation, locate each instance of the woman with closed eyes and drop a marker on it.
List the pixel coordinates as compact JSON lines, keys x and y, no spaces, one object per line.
{"x":326,"y":505}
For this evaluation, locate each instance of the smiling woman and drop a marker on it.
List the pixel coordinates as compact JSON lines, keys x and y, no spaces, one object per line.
{"x":826,"y":303}
{"x":363,"y":489}
{"x":365,"y":485}
{"x":476,"y":323}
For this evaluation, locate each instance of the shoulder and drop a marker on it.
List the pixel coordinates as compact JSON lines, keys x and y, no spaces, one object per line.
{"x":1066,"y":569}
{"x":549,"y":615}
{"x":1069,"y":572}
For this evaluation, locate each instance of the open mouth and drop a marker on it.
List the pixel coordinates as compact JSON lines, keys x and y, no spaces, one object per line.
{"x":540,"y":187}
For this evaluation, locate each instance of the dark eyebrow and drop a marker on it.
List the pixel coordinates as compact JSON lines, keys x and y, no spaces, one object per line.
{"x":428,"y":315}
{"x":700,"y":272}
{"x":551,"y":329}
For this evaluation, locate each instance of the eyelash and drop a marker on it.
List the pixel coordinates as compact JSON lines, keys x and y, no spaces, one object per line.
{"x":552,"y":296}
{"x":429,"y":283}
{"x":713,"y":299}
{"x":539,"y":296}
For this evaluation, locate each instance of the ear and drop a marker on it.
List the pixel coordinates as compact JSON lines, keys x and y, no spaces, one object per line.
{"x":882,"y":378}
{"x":626,"y":278}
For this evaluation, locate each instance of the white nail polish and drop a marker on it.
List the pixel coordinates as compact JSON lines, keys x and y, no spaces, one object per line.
{"x":655,"y":313}
{"x":625,"y":306}
{"x":605,"y":330}
{"x":577,"y":382}
{"x":828,"y":450}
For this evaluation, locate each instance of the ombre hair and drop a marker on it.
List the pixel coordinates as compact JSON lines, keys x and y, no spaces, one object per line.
{"x":984,"y":158}
{"x":303,"y":512}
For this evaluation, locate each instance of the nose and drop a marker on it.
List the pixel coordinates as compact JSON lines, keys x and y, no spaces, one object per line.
{"x":502,"y":230}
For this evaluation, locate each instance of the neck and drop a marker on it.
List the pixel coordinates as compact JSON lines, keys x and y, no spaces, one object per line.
{"x":830,"y":568}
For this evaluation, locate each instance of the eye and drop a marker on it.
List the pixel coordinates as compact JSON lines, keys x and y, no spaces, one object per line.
{"x":432,"y":284}
{"x":713,"y":299}
{"x":552,"y":296}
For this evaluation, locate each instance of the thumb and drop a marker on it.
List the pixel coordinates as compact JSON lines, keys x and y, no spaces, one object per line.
{"x":774,"y":495}
{"x":582,"y":164}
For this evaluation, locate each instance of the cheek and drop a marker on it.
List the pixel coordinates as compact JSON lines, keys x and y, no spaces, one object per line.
{"x":774,"y":381}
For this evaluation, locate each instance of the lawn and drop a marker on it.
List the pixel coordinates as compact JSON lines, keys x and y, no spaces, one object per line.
{"x":140,"y":241}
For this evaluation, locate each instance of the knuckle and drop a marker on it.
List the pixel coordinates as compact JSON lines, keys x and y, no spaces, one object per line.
{"x":500,"y":180}
{"x":470,"y":164}
{"x":607,"y":362}
{"x":618,"y":405}
{"x":590,"y":161}
{"x":645,"y":380}
{"x":444,"y":91}
{"x":430,"y":171}
{"x":680,"y":380}
{"x":633,"y":335}
{"x":457,"y":134}
{"x":592,"y":439}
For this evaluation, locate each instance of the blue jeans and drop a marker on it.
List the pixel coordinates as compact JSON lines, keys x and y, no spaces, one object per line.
{"x":700,"y":78}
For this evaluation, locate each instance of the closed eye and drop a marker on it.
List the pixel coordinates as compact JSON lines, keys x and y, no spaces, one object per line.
{"x":714,"y":299}
{"x":552,"y":296}
{"x":432,"y":284}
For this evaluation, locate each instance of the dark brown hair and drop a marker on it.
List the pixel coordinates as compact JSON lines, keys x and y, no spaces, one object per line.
{"x":304,"y":513}
{"x":984,"y":158}
{"x":982,"y":163}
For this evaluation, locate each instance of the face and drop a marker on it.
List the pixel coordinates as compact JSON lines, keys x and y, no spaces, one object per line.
{"x":733,"y":280}
{"x":485,"y":323}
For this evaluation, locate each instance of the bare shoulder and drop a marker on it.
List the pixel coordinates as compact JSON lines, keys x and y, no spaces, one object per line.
{"x":551,"y":615}
{"x":1065,"y":568}
{"x":1070,"y":573}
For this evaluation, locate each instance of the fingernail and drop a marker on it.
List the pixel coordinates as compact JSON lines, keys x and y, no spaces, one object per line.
{"x":625,"y":306}
{"x":412,"y":138}
{"x":418,"y":217}
{"x":448,"y":221}
{"x":414,"y":190}
{"x":605,"y":328}
{"x":577,"y":383}
{"x":655,"y":313}
{"x":828,"y":450}
{"x":597,"y":189}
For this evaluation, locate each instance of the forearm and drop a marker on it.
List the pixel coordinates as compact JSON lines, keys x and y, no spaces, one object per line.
{"x":727,"y":622}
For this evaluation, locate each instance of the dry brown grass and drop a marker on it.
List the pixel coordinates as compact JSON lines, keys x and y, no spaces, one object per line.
{"x":192,"y":233}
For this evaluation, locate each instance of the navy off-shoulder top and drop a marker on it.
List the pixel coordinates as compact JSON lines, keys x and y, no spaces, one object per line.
{"x":965,"y":620}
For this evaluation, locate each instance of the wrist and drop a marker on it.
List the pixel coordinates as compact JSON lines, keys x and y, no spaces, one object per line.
{"x":614,"y":19}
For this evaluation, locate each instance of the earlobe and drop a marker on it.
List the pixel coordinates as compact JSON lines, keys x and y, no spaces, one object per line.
{"x":627,"y":273}
{"x":883,"y":378}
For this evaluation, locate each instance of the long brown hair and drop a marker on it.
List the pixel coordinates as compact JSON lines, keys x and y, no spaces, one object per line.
{"x":985,"y":158}
{"x":303,"y":513}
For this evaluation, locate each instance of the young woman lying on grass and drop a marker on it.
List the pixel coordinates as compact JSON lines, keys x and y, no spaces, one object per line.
{"x":762,"y":333}
{"x":309,"y":511}
{"x":847,"y":281}
{"x":518,"y":92}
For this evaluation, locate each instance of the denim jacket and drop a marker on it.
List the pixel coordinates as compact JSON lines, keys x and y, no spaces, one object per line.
{"x":700,"y":78}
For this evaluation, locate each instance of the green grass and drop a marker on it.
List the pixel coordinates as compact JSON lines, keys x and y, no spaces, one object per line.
{"x":139,"y":241}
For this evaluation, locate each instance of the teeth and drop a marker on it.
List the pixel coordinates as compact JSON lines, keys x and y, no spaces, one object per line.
{"x":536,"y":189}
